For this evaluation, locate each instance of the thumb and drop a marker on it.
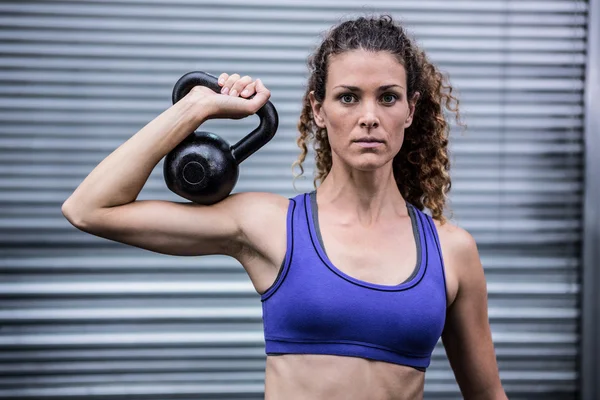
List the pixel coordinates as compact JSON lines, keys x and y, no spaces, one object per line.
{"x":262,"y":95}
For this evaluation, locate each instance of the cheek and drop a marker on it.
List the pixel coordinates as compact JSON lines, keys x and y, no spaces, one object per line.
{"x":395,"y":122}
{"x":339,"y":119}
{"x":396,"y":140}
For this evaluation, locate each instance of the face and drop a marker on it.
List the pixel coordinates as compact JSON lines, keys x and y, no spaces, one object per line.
{"x":365,"y":109}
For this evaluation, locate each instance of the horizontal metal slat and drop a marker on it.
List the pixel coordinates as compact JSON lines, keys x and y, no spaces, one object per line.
{"x":465,"y":197}
{"x":100,"y":106}
{"x":107,"y":145}
{"x":115,"y":66}
{"x":112,"y":263}
{"x":242,"y":54}
{"x":507,"y":224}
{"x":116,"y":390}
{"x":277,"y":27}
{"x":269,"y":42}
{"x":25,"y":170}
{"x":78,"y":378}
{"x":217,"y":288}
{"x":221,"y":355}
{"x":553,"y":6}
{"x":198,"y":314}
{"x":414,"y":16}
{"x":220,"y":338}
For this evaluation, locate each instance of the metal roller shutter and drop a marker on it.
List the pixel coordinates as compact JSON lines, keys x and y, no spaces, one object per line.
{"x":82,"y":316}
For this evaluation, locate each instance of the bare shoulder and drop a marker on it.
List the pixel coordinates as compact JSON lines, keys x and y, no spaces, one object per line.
{"x":459,"y":241}
{"x":262,"y":220}
{"x":461,"y":257}
{"x":261,"y":199}
{"x":252,"y":208}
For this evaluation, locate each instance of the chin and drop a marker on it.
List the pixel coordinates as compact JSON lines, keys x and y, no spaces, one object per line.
{"x":369,"y":162}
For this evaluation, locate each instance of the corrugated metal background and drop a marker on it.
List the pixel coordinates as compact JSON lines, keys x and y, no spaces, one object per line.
{"x":83,"y":317}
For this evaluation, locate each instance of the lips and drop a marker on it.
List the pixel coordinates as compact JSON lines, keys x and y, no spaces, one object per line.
{"x":368,"y":142}
{"x":368,"y":139}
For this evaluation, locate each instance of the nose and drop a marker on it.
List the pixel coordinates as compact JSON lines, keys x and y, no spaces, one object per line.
{"x":371,"y":124}
{"x":368,"y":119}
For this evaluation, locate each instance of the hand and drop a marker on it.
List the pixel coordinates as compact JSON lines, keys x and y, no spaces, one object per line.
{"x":233,"y":102}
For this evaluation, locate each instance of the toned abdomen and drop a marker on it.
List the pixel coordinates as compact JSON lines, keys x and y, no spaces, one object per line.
{"x":320,"y":377}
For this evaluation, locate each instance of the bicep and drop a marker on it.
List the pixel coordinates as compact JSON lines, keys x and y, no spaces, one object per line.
{"x":467,"y":335}
{"x":185,"y":229}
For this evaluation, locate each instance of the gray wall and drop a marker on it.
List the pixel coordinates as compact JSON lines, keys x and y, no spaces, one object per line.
{"x":590,"y":324}
{"x":81,"y":316}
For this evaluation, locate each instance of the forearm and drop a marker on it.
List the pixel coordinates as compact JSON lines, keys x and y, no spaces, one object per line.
{"x":495,"y":393}
{"x":120,"y":177}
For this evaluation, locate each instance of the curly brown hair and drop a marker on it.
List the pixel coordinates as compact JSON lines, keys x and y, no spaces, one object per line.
{"x":421,"y":167}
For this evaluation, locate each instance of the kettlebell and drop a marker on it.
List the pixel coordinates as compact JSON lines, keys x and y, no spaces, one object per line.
{"x":204,"y":168}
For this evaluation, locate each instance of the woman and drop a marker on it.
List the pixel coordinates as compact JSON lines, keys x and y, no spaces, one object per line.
{"x":357,"y":283}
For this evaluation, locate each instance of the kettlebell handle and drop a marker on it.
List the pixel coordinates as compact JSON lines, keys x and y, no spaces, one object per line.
{"x":269,"y":120}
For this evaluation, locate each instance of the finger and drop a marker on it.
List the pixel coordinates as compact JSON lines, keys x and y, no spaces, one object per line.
{"x":229,"y":83}
{"x":249,"y":90}
{"x":262,"y":96}
{"x":239,"y":85}
{"x":222,"y":78}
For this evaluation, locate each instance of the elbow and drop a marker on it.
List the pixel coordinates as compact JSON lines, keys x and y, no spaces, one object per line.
{"x":75,"y":217}
{"x":68,"y":213}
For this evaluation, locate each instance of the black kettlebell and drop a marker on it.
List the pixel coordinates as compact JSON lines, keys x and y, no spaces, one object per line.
{"x":203,"y":168}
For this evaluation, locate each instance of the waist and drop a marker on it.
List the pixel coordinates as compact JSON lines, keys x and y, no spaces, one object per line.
{"x":331,"y":377}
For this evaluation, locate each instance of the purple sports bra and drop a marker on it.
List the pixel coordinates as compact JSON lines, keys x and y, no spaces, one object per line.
{"x":315,"y":308}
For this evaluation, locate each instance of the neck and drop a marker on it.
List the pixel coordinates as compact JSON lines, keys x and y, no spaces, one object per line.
{"x":368,"y":196}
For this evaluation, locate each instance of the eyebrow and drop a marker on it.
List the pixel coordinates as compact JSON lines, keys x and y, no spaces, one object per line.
{"x":357,"y":89}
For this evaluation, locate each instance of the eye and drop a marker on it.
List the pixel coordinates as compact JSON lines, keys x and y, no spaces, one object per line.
{"x":346,"y":98}
{"x":389,"y":98}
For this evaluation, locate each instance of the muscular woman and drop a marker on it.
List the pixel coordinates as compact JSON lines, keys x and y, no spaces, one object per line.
{"x":357,"y":281}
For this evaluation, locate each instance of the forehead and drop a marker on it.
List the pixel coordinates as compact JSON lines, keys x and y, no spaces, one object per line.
{"x":364,"y":68}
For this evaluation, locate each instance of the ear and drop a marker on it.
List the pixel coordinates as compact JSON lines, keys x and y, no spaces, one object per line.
{"x":412,"y":106}
{"x":317,"y":109}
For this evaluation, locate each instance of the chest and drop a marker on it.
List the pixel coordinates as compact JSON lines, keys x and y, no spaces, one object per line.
{"x":386,"y":254}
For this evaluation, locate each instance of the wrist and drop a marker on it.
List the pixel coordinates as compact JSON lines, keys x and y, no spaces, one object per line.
{"x":200,"y":109}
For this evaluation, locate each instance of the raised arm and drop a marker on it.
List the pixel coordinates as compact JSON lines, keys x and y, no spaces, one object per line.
{"x":105,"y":203}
